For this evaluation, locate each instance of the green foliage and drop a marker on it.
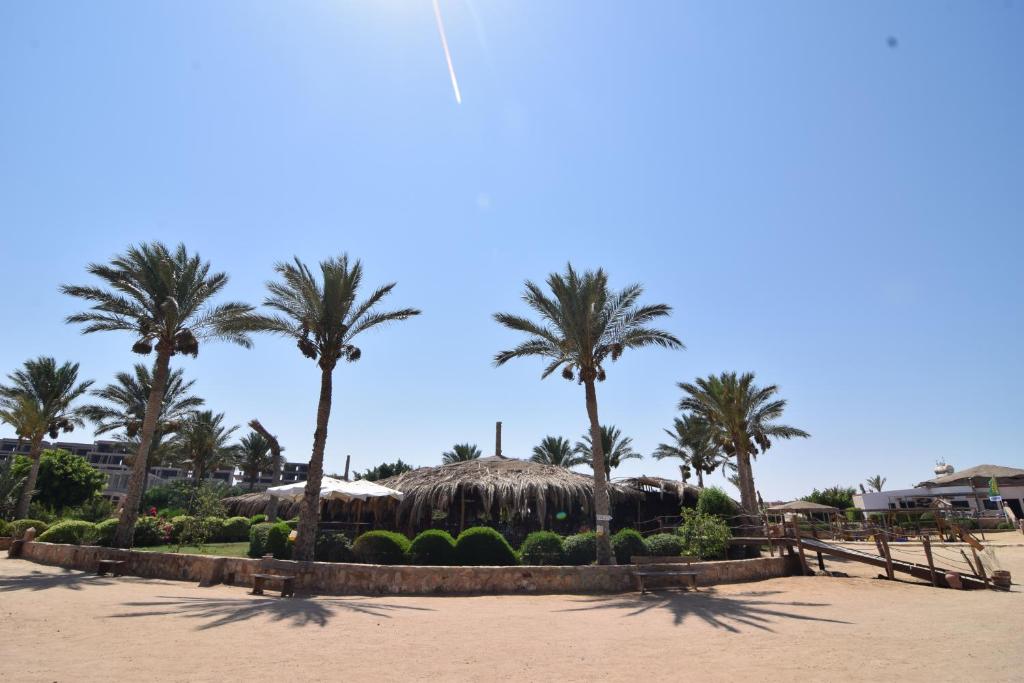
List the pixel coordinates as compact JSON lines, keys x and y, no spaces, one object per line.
{"x":65,"y":479}
{"x":235,"y":529}
{"x":542,"y":547}
{"x":105,"y":532}
{"x":385,"y":470}
{"x":1004,"y":526}
{"x":853,"y":514}
{"x":20,"y":526}
{"x":664,"y":545}
{"x":277,"y":541}
{"x":257,"y":519}
{"x":965,"y":522}
{"x":714,"y":501}
{"x":10,"y":487}
{"x":178,"y":526}
{"x":704,"y":536}
{"x":333,"y":546}
{"x":96,"y":509}
{"x":42,"y":512}
{"x":152,"y":531}
{"x":73,"y":531}
{"x":292,"y":523}
{"x":5,"y":528}
{"x":627,"y":543}
{"x":483,"y":546}
{"x":461,"y":452}
{"x":433,"y":547}
{"x":381,"y":547}
{"x":928,"y":518}
{"x":834,"y":496}
{"x":580,"y":548}
{"x":181,"y":493}
{"x":258,"y":538}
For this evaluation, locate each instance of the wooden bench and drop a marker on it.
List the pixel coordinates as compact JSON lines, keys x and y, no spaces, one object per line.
{"x":115,"y":567}
{"x":663,"y":566}
{"x":287,"y":584}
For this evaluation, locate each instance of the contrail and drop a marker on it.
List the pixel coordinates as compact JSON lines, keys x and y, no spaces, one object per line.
{"x":447,"y":54}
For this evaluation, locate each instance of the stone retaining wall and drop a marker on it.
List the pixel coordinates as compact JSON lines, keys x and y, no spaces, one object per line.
{"x":364,"y":579}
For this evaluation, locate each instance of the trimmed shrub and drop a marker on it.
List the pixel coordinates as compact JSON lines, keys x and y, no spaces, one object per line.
{"x":73,"y":531}
{"x":381,"y":547}
{"x":542,"y":547}
{"x":152,"y":531}
{"x":105,"y":532}
{"x":277,"y":541}
{"x":664,"y":545}
{"x":179,"y":524}
{"x":854,"y":515}
{"x":235,"y":529}
{"x":258,"y":539}
{"x":257,"y":519}
{"x":20,"y":526}
{"x":433,"y":547}
{"x":704,"y":536}
{"x":627,"y":543}
{"x":5,"y":528}
{"x":714,"y":501}
{"x":214,"y":527}
{"x":483,"y":546}
{"x":580,"y":548}
{"x":332,"y":546}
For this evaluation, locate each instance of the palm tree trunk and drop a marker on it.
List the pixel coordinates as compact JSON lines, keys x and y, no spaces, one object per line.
{"x":309,"y":514}
{"x":602,"y":504}
{"x":748,"y":494}
{"x":140,"y":465}
{"x":700,"y":477}
{"x":274,"y":500}
{"x":25,"y":499}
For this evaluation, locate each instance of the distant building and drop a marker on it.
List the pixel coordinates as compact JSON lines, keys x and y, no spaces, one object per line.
{"x":967,"y":490}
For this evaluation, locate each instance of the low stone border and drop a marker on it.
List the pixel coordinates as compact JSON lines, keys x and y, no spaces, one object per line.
{"x":367,"y":579}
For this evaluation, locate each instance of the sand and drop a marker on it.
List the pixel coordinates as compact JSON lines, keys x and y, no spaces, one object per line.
{"x":60,"y":625}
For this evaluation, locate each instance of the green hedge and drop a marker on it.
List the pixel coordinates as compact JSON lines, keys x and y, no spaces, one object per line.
{"x":580,"y":548}
{"x":854,"y":514}
{"x":20,"y":526}
{"x":627,"y":543}
{"x":433,"y":547}
{"x":483,"y":546}
{"x":235,"y":529}
{"x":277,"y":541}
{"x":5,"y":528}
{"x":664,"y":545}
{"x":257,"y":519}
{"x":258,"y":538}
{"x":73,"y":531}
{"x":381,"y":547}
{"x":704,"y":536}
{"x":332,"y":546}
{"x":542,"y":547}
{"x":105,"y":532}
{"x":179,"y":524}
{"x":714,"y":501}
{"x":151,"y":531}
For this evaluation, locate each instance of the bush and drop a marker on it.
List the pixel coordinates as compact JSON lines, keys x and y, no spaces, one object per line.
{"x":433,"y":547}
{"x":152,"y":531}
{"x":178,"y":526}
{"x":542,"y":547}
{"x":105,"y":532}
{"x":5,"y":528}
{"x":664,"y":545}
{"x":64,"y":480}
{"x":483,"y":546}
{"x":627,"y":543}
{"x":73,"y":531}
{"x":235,"y":529}
{"x":965,"y":522}
{"x":277,"y":541}
{"x":332,"y":546}
{"x":854,"y":515}
{"x":258,"y":539}
{"x":95,"y":509}
{"x":212,"y":529}
{"x":381,"y":547}
{"x":714,"y":501}
{"x":20,"y":526}
{"x":580,"y":548}
{"x":1004,"y":526}
{"x":704,"y":536}
{"x":257,"y":519}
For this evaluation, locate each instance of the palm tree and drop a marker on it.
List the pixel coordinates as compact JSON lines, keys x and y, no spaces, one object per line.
{"x":324,"y":318}
{"x":38,"y":402}
{"x":276,"y":463}
{"x":693,"y":443}
{"x":163,"y":297}
{"x":254,"y":457}
{"x":876,"y":482}
{"x":125,"y":408}
{"x":742,"y":417}
{"x":461,"y":452}
{"x":615,"y":447}
{"x":10,"y":484}
{"x":203,"y":444}
{"x":557,"y":451}
{"x":583,"y":325}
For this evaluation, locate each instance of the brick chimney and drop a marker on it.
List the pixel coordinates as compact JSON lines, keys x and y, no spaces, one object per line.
{"x":497,"y":439}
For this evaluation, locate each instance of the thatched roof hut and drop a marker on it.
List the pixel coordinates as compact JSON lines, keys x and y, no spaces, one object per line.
{"x":250,"y":504}
{"x":684,"y":493}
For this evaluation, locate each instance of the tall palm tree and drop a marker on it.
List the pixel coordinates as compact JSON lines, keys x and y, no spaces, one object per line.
{"x":203,"y":444}
{"x":38,"y":401}
{"x":276,"y":463}
{"x":164,"y":298}
{"x":876,"y":482}
{"x":557,"y":451}
{"x":324,"y":317}
{"x":253,"y":457}
{"x":583,"y":325}
{"x":615,"y":447}
{"x":692,"y":442}
{"x":461,"y":452}
{"x":742,"y":416}
{"x":125,"y":409}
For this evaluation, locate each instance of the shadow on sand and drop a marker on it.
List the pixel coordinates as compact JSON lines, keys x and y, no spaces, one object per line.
{"x":216,"y":612}
{"x":38,"y":581}
{"x":728,"y":612}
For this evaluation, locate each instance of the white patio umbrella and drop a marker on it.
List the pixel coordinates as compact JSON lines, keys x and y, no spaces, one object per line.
{"x":337,"y":489}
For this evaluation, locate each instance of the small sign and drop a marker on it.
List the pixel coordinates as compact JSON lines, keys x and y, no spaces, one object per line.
{"x":995,"y":499}
{"x":604,"y":518}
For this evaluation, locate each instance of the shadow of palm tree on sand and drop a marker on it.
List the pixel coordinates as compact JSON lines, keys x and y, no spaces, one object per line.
{"x":728,"y":612}
{"x":37,"y":581}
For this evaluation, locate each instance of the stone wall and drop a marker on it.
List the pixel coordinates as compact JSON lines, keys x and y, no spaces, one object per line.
{"x":364,"y":579}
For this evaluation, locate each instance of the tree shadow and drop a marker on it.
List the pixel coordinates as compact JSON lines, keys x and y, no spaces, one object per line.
{"x":297,"y":611}
{"x":37,"y":580}
{"x":727,"y":612}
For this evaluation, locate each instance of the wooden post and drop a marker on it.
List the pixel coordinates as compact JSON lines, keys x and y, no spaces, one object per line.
{"x":348,"y":459}
{"x":821,"y":562}
{"x":497,"y":438}
{"x":981,"y":567}
{"x":800,"y":549}
{"x":968,"y":561}
{"x":888,"y":560}
{"x":768,"y":533}
{"x":926,"y":542}
{"x":462,"y":508}
{"x":878,"y":540}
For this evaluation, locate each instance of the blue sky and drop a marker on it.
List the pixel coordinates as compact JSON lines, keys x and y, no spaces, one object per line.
{"x":841,"y":216}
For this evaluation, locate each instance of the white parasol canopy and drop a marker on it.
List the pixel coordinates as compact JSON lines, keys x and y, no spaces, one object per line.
{"x":337,"y":489}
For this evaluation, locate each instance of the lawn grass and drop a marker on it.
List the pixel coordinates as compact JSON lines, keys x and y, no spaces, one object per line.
{"x":224,"y":549}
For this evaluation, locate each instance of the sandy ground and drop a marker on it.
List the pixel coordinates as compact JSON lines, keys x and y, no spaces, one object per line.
{"x":59,"y":625}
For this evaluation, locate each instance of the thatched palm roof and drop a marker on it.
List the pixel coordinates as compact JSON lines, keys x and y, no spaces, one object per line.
{"x":250,"y":504}
{"x":686,"y":493}
{"x":515,"y":486}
